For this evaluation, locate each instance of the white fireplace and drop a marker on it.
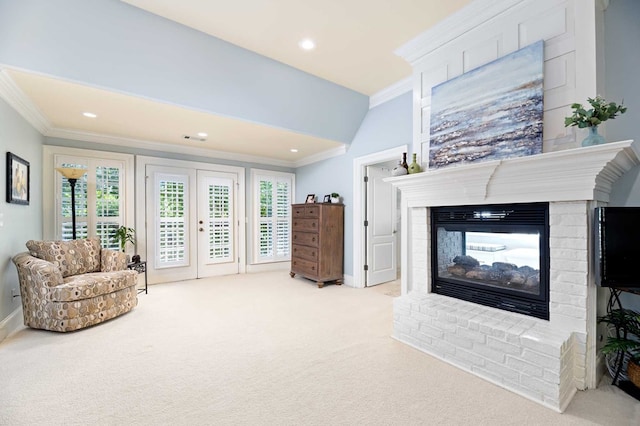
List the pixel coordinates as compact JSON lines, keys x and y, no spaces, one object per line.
{"x":544,"y":360}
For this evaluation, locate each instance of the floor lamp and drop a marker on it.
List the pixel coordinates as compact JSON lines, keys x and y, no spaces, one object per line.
{"x":72,"y":174}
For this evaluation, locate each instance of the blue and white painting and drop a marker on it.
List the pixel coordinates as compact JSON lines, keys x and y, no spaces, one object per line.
{"x":489,"y":113}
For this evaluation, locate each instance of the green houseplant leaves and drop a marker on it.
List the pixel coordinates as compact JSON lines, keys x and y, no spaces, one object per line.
{"x":599,"y":112}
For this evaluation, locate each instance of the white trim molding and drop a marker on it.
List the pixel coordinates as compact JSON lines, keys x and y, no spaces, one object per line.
{"x":11,"y":324}
{"x":18,"y":100}
{"x":163,"y":147}
{"x":359,"y":165}
{"x":335,"y":152}
{"x":391,"y":92}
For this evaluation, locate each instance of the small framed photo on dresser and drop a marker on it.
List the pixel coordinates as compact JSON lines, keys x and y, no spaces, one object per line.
{"x":327,"y":199}
{"x":311,"y":198}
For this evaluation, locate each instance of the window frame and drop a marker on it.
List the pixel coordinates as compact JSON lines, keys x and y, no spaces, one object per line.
{"x":52,"y":186}
{"x":256,"y":176}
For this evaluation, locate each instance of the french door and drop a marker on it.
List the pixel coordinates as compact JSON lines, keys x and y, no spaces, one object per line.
{"x":191,"y":223}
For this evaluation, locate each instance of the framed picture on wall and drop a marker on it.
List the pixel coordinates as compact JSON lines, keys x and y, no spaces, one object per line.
{"x":17,"y":180}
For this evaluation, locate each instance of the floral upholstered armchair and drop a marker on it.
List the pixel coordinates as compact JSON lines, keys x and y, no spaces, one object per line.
{"x":68,"y":285}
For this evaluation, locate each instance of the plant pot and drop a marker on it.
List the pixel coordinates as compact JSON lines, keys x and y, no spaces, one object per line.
{"x":633,"y":371}
{"x":593,"y":138}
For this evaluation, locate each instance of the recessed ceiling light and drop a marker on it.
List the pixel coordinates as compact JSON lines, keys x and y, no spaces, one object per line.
{"x":293,"y":150}
{"x":203,"y":134}
{"x":89,"y":114}
{"x":307,"y":44}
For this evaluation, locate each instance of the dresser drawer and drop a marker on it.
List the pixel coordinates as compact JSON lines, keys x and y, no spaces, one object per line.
{"x":305,"y":238}
{"x":304,"y":252}
{"x":306,"y":211}
{"x":299,"y":211}
{"x":304,"y":267}
{"x":312,"y":211}
{"x":307,"y":225}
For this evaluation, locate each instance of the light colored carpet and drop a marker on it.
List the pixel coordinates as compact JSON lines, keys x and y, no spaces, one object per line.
{"x":260,"y":349}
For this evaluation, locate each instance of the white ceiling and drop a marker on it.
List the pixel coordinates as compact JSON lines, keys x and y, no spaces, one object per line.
{"x":356,"y":40}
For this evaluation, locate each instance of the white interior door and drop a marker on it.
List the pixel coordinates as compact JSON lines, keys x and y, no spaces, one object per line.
{"x":217,"y":224}
{"x":381,"y":232}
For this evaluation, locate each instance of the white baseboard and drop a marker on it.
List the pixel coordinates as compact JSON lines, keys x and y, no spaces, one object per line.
{"x":11,"y":323}
{"x":348,"y":281}
{"x":268,"y":267}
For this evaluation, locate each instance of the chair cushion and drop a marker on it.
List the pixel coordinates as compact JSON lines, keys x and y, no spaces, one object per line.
{"x":86,"y":286}
{"x":72,"y":257}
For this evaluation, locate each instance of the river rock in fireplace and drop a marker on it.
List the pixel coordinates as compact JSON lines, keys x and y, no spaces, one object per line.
{"x":502,"y":273}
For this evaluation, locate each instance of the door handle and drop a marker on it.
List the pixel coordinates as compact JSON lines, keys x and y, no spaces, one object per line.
{"x":201,"y":229}
{"x":200,"y":222}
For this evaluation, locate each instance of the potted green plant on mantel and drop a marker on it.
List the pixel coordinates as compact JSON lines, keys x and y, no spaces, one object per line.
{"x":335,"y":197}
{"x":624,"y":344}
{"x":591,"y":118}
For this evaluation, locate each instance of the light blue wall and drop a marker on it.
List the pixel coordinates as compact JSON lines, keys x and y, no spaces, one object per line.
{"x":21,"y":223}
{"x":110,"y":44}
{"x":622,"y":62}
{"x":386,"y":126}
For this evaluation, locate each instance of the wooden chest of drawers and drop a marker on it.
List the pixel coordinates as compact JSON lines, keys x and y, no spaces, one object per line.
{"x":317,"y":242}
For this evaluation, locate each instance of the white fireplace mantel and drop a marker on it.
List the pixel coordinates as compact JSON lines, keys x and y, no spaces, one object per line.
{"x":544,"y":360}
{"x":576,"y":174}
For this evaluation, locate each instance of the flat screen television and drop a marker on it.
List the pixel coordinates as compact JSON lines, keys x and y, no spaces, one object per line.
{"x":617,"y":246}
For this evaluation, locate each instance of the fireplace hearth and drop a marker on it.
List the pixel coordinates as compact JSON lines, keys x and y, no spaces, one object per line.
{"x":493,"y":255}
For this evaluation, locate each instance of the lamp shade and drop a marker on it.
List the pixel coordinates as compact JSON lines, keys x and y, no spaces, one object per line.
{"x":71,"y":172}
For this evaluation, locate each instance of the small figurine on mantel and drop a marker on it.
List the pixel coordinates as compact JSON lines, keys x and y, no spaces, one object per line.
{"x":414,"y":167}
{"x":399,"y":170}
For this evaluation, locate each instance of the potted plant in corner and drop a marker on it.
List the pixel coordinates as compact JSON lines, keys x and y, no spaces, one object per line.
{"x":591,"y":118}
{"x":335,"y":197}
{"x":124,"y":235}
{"x":624,"y":345}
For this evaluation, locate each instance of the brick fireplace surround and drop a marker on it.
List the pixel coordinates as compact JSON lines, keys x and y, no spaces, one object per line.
{"x":545,"y":361}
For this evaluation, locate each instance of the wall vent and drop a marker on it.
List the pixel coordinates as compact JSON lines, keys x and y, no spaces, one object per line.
{"x":194,"y":138}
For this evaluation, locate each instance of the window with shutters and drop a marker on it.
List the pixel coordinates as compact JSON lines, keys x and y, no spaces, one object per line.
{"x":220,"y":220}
{"x":171,"y":223}
{"x":99,"y":200}
{"x":273,"y":192}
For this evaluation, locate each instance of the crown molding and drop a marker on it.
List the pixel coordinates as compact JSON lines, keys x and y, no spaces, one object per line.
{"x":390,"y":92}
{"x":18,"y":100}
{"x":467,"y":18}
{"x":164,"y":147}
{"x":325,"y":155}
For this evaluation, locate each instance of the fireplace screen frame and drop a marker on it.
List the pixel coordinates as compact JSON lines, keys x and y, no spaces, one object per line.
{"x":528,"y":218}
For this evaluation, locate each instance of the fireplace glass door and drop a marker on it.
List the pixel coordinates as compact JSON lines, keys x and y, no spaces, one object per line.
{"x":493,"y":255}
